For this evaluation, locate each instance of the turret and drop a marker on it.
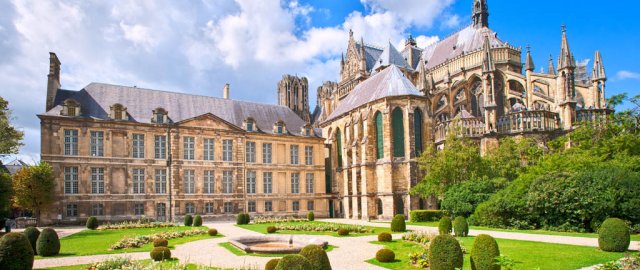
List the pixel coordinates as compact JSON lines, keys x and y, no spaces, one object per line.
{"x":487,"y":60}
{"x":598,"y":81}
{"x":53,"y":80}
{"x":480,"y":15}
{"x":566,"y":88}
{"x":552,"y":69}
{"x":529,"y":66}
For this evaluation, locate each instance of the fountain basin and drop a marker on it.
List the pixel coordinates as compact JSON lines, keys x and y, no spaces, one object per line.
{"x":275,"y":244}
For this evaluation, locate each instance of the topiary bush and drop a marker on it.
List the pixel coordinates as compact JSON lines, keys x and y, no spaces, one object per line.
{"x":311,"y":216}
{"x":444,"y":227}
{"x":32,"y":234}
{"x":614,"y":235}
{"x":398,"y":224}
{"x":343,"y":232}
{"x":426,"y":215}
{"x":316,"y":256}
{"x":484,"y":252}
{"x":213,"y":232}
{"x":385,"y":255}
{"x":16,"y":253}
{"x":445,"y":253}
{"x":271,"y":264}
{"x":188,"y":220}
{"x":243,"y":219}
{"x":92,"y":223}
{"x":160,"y":254}
{"x":160,"y":242}
{"x":272,"y":229}
{"x":460,"y":227}
{"x":48,"y":243}
{"x":197,"y":221}
{"x":385,"y":237}
{"x":293,"y":262}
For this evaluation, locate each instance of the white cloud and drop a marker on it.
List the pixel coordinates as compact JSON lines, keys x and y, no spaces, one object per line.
{"x":627,"y":75}
{"x":421,"y":13}
{"x":140,"y":35}
{"x":452,"y":21}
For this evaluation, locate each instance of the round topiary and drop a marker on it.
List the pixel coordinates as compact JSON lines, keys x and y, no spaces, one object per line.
{"x":15,"y":252}
{"x":242,"y":219}
{"x":293,"y":262}
{"x":197,"y":221}
{"x":160,"y":242}
{"x":343,"y":232}
{"x":483,"y":253}
{"x":614,"y":235}
{"x":92,"y":223}
{"x":32,"y":234}
{"x":160,"y":254}
{"x":48,"y":243}
{"x":213,"y":232}
{"x":316,"y":256}
{"x":385,"y":237}
{"x":444,"y":227}
{"x":272,"y":229}
{"x":188,"y":220}
{"x":460,"y":227}
{"x":271,"y":264}
{"x":445,"y":253}
{"x":311,"y":216}
{"x":385,"y":255}
{"x":398,"y":224}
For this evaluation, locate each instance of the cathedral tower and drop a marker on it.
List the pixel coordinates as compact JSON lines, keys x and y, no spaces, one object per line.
{"x":480,"y":15}
{"x":293,"y":92}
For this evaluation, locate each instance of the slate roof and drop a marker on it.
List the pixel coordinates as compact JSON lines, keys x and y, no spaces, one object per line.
{"x":416,"y":53}
{"x":391,"y":56}
{"x":97,"y":98}
{"x":466,"y":40}
{"x":387,"y":83}
{"x":372,"y":54}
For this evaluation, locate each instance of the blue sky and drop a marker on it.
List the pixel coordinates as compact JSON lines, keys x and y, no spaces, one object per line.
{"x":198,"y":46}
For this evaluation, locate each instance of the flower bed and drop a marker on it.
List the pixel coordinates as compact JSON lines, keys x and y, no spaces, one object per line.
{"x":136,"y":225}
{"x":323,"y":227}
{"x":262,"y":220}
{"x":138,"y":241}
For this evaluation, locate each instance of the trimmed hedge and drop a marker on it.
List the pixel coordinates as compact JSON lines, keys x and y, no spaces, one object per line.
{"x":92,"y":223}
{"x":385,"y":237}
{"x":426,"y":215}
{"x":343,"y":232}
{"x":271,"y":264}
{"x":385,"y":255}
{"x":311,"y":216}
{"x":48,"y":243}
{"x":188,"y":220}
{"x":160,"y":242}
{"x":32,"y":234}
{"x":444,"y":227}
{"x":160,"y":254}
{"x":445,"y":253}
{"x":293,"y":262}
{"x":484,"y":252}
{"x":398,"y":224}
{"x":272,"y":229}
{"x":213,"y":232}
{"x":614,"y":235}
{"x":243,"y":219}
{"x":460,"y":227}
{"x":316,"y":256}
{"x":16,"y":252}
{"x":197,"y":221}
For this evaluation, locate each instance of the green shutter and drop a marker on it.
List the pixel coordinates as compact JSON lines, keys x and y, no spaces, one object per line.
{"x":398,"y":133}
{"x":417,"y":129}
{"x":339,"y":145}
{"x":379,"y":136}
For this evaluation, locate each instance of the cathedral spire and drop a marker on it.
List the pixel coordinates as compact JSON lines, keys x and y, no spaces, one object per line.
{"x":565,"y":59}
{"x":487,"y":61}
{"x":552,"y":69}
{"x":480,"y":13}
{"x":529,"y":66}
{"x":598,"y":68}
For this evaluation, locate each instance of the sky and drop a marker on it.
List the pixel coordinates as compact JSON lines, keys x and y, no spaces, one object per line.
{"x":197,"y":46}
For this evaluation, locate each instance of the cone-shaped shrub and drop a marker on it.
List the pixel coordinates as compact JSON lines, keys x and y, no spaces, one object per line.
{"x":271,"y":264}
{"x":614,"y":235}
{"x":444,"y":227}
{"x":445,"y":253}
{"x":48,"y":243}
{"x":32,"y":234}
{"x":160,"y":242}
{"x":16,"y":252}
{"x":460,"y":227}
{"x":311,"y":216}
{"x":197,"y":221}
{"x":385,"y":237}
{"x":385,"y":255}
{"x":188,"y":220}
{"x":293,"y":262}
{"x":160,"y":254}
{"x":484,"y":252}
{"x":398,"y":224}
{"x":243,"y":218}
{"x":317,"y":257}
{"x":92,"y":223}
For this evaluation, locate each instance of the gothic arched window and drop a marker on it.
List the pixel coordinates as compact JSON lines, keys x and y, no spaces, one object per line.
{"x":397,"y":127}
{"x":339,"y":146}
{"x":417,"y":130}
{"x":379,"y":136}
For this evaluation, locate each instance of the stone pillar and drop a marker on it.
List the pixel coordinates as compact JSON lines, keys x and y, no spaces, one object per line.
{"x":366,"y":213}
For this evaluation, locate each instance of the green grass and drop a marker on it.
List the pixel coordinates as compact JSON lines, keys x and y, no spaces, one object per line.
{"x":163,"y":264}
{"x":262,"y":228}
{"x":91,"y":242}
{"x":529,"y":255}
{"x":238,"y":252}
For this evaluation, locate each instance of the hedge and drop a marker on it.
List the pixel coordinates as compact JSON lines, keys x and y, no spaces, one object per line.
{"x":426,"y":215}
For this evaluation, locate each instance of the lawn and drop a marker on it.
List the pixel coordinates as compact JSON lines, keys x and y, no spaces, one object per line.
{"x":262,"y":228}
{"x":238,"y":252}
{"x":528,"y":255}
{"x":91,"y":242}
{"x":162,"y":265}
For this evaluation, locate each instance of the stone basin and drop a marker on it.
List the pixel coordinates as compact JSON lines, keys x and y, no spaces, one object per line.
{"x":275,"y":244}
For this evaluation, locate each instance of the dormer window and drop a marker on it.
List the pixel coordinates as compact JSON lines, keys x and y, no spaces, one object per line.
{"x":306,"y":130}
{"x":279,"y":127}
{"x":71,"y":108}
{"x":118,"y":112}
{"x":160,"y":116}
{"x":250,"y":125}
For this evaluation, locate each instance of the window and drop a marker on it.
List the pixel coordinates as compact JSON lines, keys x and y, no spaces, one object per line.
{"x":209,"y":184}
{"x":227,"y":150}
{"x":295,"y":183}
{"x":398,"y":132}
{"x":70,"y":142}
{"x":97,"y":143}
{"x":138,"y":146}
{"x":227,"y":182}
{"x":208,"y":208}
{"x":295,"y":206}
{"x":159,"y":118}
{"x":138,"y":181}
{"x":228,"y":207}
{"x":417,"y":129}
{"x":159,"y":115}
{"x":138,"y":209}
{"x":189,"y":148}
{"x":208,"y":149}
{"x":308,"y":155}
{"x":251,"y":207}
{"x":267,"y":181}
{"x":293,"y":151}
{"x":266,"y":153}
{"x":250,"y":125}
{"x":309,"y":182}
{"x":339,"y":147}
{"x":97,"y":180}
{"x":72,"y":210}
{"x":161,"y":181}
{"x":161,"y":147}
{"x":310,"y":205}
{"x":71,"y":180}
{"x":118,"y":112}
{"x":279,"y":128}
{"x":268,"y":206}
{"x":251,"y":182}
{"x":379,"y":136}
{"x":250,"y":152}
{"x":189,"y":182}
{"x":97,"y":209}
{"x":190,"y":208}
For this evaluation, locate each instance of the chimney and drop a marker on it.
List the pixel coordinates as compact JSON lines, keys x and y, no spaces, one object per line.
{"x":225,"y":92}
{"x":53,"y":80}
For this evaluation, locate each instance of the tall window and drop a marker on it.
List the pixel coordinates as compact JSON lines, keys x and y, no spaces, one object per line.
{"x":267,"y":179}
{"x":308,"y":155}
{"x":228,"y":207}
{"x":227,"y":182}
{"x":72,"y":210}
{"x":97,"y":180}
{"x":161,"y":181}
{"x":160,"y":144}
{"x":227,"y":150}
{"x":339,"y":147}
{"x":309,"y":182}
{"x":250,"y":152}
{"x":208,"y":208}
{"x":268,"y":206}
{"x":97,"y":209}
{"x":138,"y":181}
{"x":397,"y":126}
{"x":189,"y":181}
{"x":295,"y":206}
{"x":417,"y":129}
{"x":138,"y":146}
{"x":266,"y":153}
{"x":293,"y":151}
{"x":70,"y":142}
{"x":138,"y":209}
{"x":251,"y":205}
{"x":71,"y":180}
{"x":379,"y":136}
{"x":295,"y":183}
{"x":310,"y":205}
{"x":208,"y":149}
{"x":251,"y":182}
{"x":209,"y":184}
{"x":190,"y":208}
{"x":189,"y":148}
{"x":97,"y":143}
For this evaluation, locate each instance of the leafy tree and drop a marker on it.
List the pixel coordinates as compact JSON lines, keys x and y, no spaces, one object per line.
{"x":512,"y":156}
{"x":462,"y":199}
{"x":5,"y":194}
{"x":9,"y":136}
{"x":34,"y":187}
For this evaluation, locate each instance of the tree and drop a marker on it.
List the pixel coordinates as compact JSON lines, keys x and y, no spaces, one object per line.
{"x":5,"y":194}
{"x":9,"y":137}
{"x":512,"y":156}
{"x":33,"y":187}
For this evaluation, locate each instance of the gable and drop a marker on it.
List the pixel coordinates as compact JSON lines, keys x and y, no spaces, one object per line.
{"x":209,"y":121}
